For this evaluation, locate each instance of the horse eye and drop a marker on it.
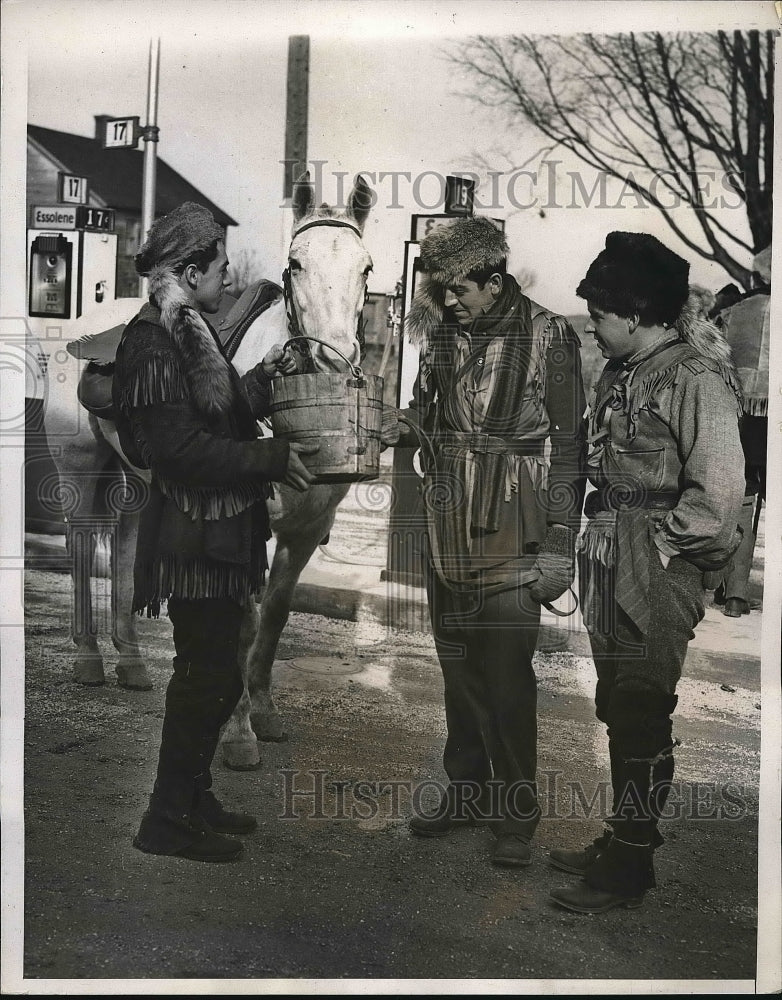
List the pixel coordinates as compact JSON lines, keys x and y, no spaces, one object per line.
{"x":294,"y":264}
{"x":368,"y":270}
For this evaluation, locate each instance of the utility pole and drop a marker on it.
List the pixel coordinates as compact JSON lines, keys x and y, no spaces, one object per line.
{"x":150,"y":134}
{"x":296,"y":127}
{"x":296,"y":110}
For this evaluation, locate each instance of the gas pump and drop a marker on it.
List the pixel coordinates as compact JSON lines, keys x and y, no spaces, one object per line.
{"x":51,"y":271}
{"x":72,"y":261}
{"x":69,"y":273}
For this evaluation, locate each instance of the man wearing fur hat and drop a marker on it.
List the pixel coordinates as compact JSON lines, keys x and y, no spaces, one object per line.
{"x":500,"y":402}
{"x":666,"y":460}
{"x":188,"y":418}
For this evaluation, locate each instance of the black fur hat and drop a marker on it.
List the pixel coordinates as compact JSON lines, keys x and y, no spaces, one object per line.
{"x":636,"y":273}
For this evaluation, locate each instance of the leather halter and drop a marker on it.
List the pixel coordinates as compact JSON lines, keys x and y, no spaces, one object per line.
{"x":294,"y":326}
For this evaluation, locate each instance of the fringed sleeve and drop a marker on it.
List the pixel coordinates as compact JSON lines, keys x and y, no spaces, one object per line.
{"x":207,"y":475}
{"x":156,"y":378}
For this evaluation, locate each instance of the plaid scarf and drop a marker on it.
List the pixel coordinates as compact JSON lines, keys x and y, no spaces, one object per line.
{"x":470,"y":485}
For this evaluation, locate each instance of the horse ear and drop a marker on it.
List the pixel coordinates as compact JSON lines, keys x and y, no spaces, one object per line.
{"x":303,"y":196}
{"x":360,"y":201}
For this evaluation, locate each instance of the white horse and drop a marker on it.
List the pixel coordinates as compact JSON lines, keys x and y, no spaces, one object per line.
{"x":328,"y":267}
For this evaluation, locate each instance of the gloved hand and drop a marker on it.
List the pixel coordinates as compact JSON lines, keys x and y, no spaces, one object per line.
{"x":556,"y":564}
{"x":390,"y":428}
{"x":712,"y":578}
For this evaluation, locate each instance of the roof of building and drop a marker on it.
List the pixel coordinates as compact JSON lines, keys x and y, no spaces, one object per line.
{"x":115,"y":175}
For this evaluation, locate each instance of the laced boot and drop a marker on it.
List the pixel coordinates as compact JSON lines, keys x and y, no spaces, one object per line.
{"x":623,"y":871}
{"x":577,"y":861}
{"x":620,"y":876}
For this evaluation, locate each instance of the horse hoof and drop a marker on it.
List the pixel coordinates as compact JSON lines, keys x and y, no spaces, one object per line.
{"x":89,"y":672}
{"x":241,"y":756}
{"x":268,"y":728}
{"x":134,"y":678}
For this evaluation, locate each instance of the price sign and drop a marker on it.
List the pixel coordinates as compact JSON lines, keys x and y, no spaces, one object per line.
{"x":72,"y":190}
{"x":459,"y":195}
{"x":424,"y":224}
{"x":96,"y":219}
{"x":119,"y":133}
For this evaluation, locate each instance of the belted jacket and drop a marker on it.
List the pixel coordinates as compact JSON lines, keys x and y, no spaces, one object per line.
{"x":666,"y":459}
{"x":502,"y":404}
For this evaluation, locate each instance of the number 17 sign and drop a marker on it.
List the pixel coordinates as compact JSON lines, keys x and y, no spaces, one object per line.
{"x":72,"y":190}
{"x":118,"y":133}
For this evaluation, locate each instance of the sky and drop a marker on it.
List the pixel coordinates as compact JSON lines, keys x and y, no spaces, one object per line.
{"x":384,"y":97}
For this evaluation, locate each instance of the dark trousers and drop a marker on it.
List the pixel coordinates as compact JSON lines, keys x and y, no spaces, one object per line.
{"x":485,"y":645}
{"x":635,"y":697}
{"x":201,"y":695}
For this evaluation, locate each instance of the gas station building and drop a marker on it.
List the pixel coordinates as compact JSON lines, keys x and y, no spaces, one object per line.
{"x":114,"y":180}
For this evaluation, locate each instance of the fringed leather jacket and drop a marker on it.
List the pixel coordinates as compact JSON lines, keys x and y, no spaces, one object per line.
{"x":187,"y":417}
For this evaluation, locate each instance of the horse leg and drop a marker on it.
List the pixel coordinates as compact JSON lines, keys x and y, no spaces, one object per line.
{"x":238,"y":742}
{"x":81,"y":540}
{"x":81,"y":461}
{"x":291,"y":556}
{"x":131,"y":668}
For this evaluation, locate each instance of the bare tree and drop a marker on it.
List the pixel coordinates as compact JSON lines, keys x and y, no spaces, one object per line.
{"x":664,"y":114}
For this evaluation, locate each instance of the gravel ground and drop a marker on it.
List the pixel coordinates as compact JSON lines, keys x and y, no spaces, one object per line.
{"x":335,"y":887}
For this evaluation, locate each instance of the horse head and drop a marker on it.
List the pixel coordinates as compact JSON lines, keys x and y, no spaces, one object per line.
{"x":327,"y":272}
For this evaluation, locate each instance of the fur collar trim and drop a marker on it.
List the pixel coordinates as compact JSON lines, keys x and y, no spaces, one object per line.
{"x":708,"y":342}
{"x":426,"y":312}
{"x":206,"y":370}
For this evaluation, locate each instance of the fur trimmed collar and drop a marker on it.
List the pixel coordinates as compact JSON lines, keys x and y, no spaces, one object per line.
{"x":206,"y":370}
{"x":426,"y":312}
{"x":707,"y":341}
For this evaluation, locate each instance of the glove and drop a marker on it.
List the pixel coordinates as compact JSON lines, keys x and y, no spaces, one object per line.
{"x":390,"y":430}
{"x":556,"y":564}
{"x":712,"y":579}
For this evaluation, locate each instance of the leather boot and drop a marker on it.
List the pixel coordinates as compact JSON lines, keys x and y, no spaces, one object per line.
{"x":208,"y":808}
{"x":620,"y":876}
{"x":512,"y":850}
{"x":202,"y":843}
{"x":456,"y":810}
{"x":577,"y":861}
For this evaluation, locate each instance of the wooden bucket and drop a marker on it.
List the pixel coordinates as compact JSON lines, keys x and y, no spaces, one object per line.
{"x":340,"y":412}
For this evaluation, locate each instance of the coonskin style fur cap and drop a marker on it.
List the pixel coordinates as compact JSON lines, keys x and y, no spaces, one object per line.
{"x":450,"y":252}
{"x":174,"y":237}
{"x":636,"y":273}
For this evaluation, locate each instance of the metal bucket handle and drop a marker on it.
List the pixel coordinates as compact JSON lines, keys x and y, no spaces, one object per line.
{"x":355,"y":370}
